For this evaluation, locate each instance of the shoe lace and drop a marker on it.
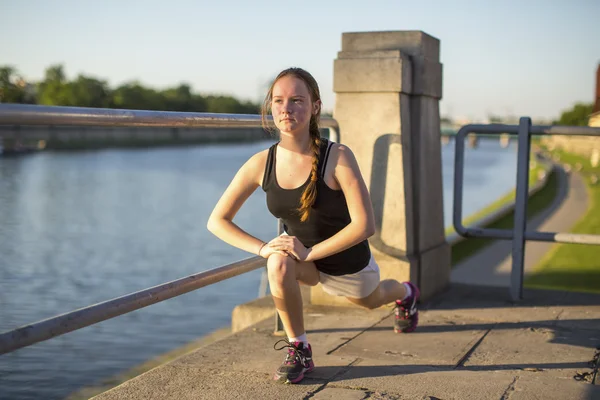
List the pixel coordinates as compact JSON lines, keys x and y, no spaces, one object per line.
{"x":294,"y":353}
{"x":402,"y":309}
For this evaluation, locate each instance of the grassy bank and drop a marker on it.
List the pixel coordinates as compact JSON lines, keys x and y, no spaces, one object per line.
{"x":536,"y":203}
{"x":572,"y":266}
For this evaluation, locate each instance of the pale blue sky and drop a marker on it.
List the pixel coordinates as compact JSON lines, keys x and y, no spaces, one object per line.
{"x":528,"y":57}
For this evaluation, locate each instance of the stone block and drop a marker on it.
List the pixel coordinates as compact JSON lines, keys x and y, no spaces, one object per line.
{"x":414,"y":43}
{"x":247,"y":314}
{"x":427,"y":77}
{"x":373,"y":74}
{"x":387,"y":71}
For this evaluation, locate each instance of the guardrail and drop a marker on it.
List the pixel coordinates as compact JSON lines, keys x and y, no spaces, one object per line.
{"x":518,"y":234}
{"x":11,"y":114}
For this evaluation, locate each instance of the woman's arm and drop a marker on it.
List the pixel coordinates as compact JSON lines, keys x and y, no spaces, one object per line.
{"x":362,"y":225}
{"x":362,"y":221}
{"x":220,"y":222}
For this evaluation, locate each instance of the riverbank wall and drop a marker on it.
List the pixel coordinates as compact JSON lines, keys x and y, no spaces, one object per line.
{"x":86,"y":137}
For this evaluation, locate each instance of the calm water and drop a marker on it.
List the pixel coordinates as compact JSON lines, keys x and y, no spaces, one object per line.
{"x":80,"y":228}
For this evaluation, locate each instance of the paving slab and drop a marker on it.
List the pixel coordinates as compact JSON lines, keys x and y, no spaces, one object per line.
{"x":544,"y":351}
{"x":329,"y":331}
{"x":550,"y":388}
{"x":581,"y":318}
{"x":425,"y":384}
{"x":186,"y":382}
{"x":438,"y":343}
{"x":336,"y":394}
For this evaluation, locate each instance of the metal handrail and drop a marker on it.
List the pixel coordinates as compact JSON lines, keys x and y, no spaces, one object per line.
{"x":24,"y":114}
{"x":77,"y":319}
{"x":28,"y":114}
{"x":518,"y":234}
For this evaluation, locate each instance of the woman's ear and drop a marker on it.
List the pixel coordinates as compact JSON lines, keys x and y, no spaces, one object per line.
{"x":316,"y":107}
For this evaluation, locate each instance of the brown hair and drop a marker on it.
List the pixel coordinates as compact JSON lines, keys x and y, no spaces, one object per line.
{"x":310,"y":193}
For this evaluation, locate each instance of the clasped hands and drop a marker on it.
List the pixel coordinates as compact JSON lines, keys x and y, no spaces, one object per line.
{"x":287,"y":246}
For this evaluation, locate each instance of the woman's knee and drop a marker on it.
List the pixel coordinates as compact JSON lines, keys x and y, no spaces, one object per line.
{"x":280,"y":269}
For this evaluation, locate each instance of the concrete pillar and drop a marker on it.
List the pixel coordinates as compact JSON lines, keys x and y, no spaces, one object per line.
{"x":388,"y":86}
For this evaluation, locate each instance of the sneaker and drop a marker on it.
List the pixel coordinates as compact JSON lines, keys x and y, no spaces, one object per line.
{"x":407,"y":314}
{"x":297,"y":362}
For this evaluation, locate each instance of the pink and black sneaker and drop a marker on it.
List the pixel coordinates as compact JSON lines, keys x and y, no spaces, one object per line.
{"x":407,"y":313}
{"x":297,"y":362}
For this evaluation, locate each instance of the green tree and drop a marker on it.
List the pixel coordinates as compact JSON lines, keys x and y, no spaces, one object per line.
{"x":134,"y":96}
{"x":577,"y":116}
{"x":12,"y":87}
{"x":89,"y":92}
{"x":85,"y":91}
{"x":199,"y":103}
{"x":178,"y":99}
{"x":54,"y":90}
{"x":230,"y":105}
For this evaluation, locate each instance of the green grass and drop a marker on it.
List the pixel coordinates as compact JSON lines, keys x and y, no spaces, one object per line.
{"x":536,"y":203}
{"x":573,"y":266}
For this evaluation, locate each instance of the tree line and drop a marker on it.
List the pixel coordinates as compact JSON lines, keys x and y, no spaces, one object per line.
{"x":86,"y":91}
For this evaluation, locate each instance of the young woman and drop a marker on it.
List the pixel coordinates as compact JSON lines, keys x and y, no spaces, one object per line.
{"x":317,"y":190}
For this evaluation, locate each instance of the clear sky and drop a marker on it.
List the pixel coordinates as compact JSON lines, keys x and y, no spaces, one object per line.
{"x":517,"y":57}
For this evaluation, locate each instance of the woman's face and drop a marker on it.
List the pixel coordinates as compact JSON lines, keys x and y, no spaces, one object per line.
{"x":292,"y":106}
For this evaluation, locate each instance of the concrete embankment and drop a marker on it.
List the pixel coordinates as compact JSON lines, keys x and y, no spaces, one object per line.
{"x":471,"y":344}
{"x":82,"y":137}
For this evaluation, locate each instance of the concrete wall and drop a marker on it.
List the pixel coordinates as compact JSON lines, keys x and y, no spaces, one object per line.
{"x":582,"y":145}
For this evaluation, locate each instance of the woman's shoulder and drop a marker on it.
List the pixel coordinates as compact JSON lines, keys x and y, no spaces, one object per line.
{"x":261,"y":156}
{"x":257,"y":162}
{"x":340,"y":153}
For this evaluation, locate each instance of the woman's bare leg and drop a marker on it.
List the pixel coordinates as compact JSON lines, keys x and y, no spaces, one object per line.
{"x":284,"y":275}
{"x":389,"y":290}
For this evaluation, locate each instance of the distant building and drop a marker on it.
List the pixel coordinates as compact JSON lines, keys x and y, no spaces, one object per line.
{"x":583,"y":145}
{"x":595,"y":117}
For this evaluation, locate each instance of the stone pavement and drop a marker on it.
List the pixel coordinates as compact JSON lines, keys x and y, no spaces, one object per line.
{"x":472,"y":343}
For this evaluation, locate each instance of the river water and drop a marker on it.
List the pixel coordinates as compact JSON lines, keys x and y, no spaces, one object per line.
{"x":78,"y":228}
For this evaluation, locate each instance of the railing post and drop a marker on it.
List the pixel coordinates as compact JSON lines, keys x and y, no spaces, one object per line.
{"x":520,"y":221}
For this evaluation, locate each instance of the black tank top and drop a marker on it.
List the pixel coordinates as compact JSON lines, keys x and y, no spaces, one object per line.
{"x":328,"y":216}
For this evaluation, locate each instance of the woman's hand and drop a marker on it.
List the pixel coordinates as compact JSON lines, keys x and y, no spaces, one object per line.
{"x":266,"y":250}
{"x":291,"y":246}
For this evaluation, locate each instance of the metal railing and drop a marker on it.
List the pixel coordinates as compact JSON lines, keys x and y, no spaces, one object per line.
{"x":19,"y":114}
{"x":518,"y":234}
